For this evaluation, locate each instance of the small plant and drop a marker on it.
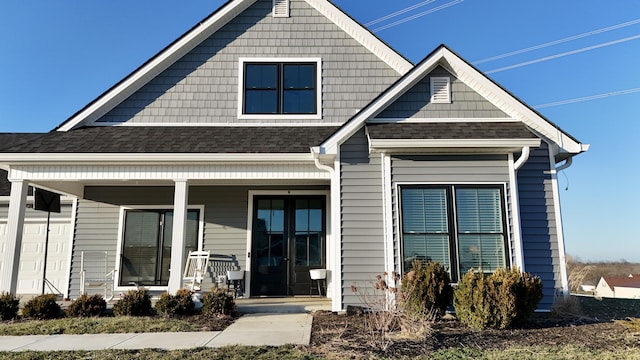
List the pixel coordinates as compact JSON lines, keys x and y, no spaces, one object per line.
{"x":426,"y":289}
{"x":498,"y":300}
{"x":134,"y":303}
{"x":42,"y":307}
{"x":179,"y":304}
{"x":87,"y":306}
{"x":218,"y":302}
{"x":9,"y":306}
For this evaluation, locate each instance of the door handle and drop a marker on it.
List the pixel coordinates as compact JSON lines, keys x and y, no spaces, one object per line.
{"x":286,"y":259}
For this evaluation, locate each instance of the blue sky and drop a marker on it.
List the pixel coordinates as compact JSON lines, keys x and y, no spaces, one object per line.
{"x":57,"y":56}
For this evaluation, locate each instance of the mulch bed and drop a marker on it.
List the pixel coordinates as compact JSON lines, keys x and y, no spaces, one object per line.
{"x":348,"y":336}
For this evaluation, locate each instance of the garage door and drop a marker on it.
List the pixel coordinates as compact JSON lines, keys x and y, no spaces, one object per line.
{"x":32,"y":255}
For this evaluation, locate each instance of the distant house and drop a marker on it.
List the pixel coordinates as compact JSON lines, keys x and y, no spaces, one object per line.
{"x":287,"y":135}
{"x":621,"y":287}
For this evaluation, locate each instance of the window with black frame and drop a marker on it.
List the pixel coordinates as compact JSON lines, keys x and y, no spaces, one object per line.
{"x":146,"y":245}
{"x":460,"y":226}
{"x":280,"y":88}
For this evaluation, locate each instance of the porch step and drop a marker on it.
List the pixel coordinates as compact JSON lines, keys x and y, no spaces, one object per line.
{"x":287,"y":305}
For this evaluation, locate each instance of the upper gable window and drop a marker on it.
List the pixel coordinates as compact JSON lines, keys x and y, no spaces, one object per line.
{"x":440,"y":90}
{"x":280,"y":88}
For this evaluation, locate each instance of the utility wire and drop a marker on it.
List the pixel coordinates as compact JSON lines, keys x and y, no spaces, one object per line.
{"x":399,"y":12}
{"x":588,"y":98}
{"x":563,"y":54}
{"x":560,"y":41}
{"x":413,"y":17}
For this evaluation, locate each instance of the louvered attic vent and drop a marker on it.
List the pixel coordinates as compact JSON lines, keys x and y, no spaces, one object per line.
{"x":280,"y":8}
{"x":440,"y":90}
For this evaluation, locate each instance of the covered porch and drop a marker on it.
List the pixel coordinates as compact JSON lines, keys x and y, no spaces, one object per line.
{"x":274,"y":219}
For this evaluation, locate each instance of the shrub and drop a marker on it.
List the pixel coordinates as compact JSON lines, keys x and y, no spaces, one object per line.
{"x":218,"y":302}
{"x":9,"y":306}
{"x":426,"y":289}
{"x":86,"y":306}
{"x":498,"y":300}
{"x":42,"y":307}
{"x":179,"y":304}
{"x":134,"y":303}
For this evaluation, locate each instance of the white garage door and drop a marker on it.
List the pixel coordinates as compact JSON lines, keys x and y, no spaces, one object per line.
{"x":32,"y":255}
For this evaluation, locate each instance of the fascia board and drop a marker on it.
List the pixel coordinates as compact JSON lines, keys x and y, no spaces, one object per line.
{"x":145,"y":158}
{"x":380,"y":144}
{"x":362,"y":35}
{"x":156,"y":65}
{"x":373,"y":109}
{"x":506,"y":102}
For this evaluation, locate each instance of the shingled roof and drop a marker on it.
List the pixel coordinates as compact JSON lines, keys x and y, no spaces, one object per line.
{"x":630,"y":281}
{"x":8,"y":140}
{"x":450,"y":130}
{"x":166,"y":139}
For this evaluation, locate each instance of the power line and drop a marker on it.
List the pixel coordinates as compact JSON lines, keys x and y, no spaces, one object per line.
{"x":588,"y":98}
{"x":563,"y":54}
{"x":413,"y":17}
{"x":560,"y":41}
{"x":399,"y":12}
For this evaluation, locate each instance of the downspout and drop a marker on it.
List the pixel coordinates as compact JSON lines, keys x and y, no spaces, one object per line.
{"x":566,"y":164}
{"x":524,"y":156}
{"x":336,"y":265}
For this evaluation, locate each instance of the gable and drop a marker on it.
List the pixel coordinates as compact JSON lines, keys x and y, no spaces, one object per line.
{"x":197,"y":83}
{"x":465,"y":102}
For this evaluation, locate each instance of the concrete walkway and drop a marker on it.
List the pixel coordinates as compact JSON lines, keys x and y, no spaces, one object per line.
{"x":251,"y":329}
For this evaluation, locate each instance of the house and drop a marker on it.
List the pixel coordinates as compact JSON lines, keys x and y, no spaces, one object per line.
{"x":285,"y":134}
{"x":621,"y":287}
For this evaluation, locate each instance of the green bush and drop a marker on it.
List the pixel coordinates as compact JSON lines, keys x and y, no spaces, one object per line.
{"x":9,"y":306}
{"x":86,"y":306}
{"x":498,"y":300}
{"x":134,"y":303}
{"x":42,"y":307}
{"x":426,"y":289}
{"x":218,"y":302}
{"x":179,"y":304}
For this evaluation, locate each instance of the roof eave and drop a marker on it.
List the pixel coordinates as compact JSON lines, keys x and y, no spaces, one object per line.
{"x":12,"y":159}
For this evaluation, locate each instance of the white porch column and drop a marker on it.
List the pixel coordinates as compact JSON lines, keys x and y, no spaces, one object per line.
{"x":180,"y":202}
{"x":15,"y":224}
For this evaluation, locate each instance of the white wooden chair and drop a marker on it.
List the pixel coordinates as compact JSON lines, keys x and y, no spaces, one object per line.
{"x":195,"y":269}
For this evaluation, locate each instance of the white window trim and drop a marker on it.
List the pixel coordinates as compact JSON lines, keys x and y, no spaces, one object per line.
{"x":116,"y":279}
{"x":316,"y":116}
{"x":508,"y":251}
{"x":432,"y":82}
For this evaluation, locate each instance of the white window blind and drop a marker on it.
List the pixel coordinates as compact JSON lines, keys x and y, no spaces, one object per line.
{"x":440,"y":90}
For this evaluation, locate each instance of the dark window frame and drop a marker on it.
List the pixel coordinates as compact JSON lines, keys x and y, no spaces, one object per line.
{"x":279,"y":89}
{"x":453,"y":223}
{"x":160,"y":241}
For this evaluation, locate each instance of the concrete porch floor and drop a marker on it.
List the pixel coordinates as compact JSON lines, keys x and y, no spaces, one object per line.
{"x":283,"y":305}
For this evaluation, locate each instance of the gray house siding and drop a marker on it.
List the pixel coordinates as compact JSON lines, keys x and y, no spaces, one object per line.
{"x":538,"y":223}
{"x":362,"y":245}
{"x":445,"y":169}
{"x":465,"y":102}
{"x":202,"y":87}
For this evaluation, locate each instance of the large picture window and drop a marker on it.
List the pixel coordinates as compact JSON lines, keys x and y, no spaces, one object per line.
{"x":146,"y":245}
{"x":462,"y":227}
{"x":280,"y":88}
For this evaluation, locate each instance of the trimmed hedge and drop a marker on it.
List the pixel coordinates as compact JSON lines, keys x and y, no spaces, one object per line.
{"x":87,"y":306}
{"x":179,"y":304}
{"x":42,"y":307}
{"x":496,"y":301}
{"x":134,"y":303}
{"x":426,"y":289}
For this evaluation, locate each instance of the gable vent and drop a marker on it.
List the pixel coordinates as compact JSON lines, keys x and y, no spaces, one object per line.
{"x":440,"y":90}
{"x":280,"y":8}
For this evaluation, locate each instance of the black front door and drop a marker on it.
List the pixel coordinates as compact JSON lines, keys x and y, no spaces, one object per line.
{"x":288,"y":240}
